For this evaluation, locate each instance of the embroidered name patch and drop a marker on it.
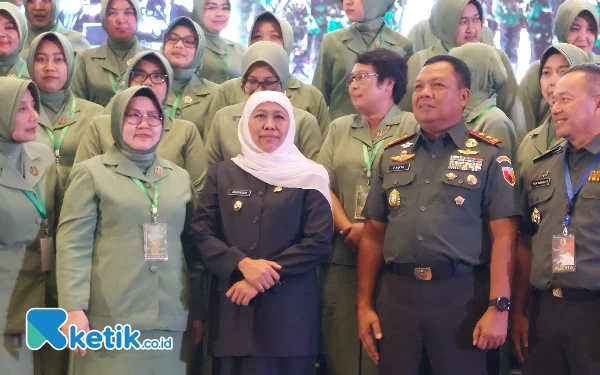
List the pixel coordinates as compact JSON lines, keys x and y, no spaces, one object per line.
{"x":398,"y":168}
{"x":240,"y":193}
{"x":540,"y":183}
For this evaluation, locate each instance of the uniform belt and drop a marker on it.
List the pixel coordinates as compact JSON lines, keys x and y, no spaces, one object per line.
{"x":571,"y":294}
{"x":434,"y":271}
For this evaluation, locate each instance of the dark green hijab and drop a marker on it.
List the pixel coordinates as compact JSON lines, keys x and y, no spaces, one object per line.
{"x":182,"y":76}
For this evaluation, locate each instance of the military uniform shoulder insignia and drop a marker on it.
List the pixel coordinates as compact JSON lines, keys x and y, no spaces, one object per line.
{"x":553,"y":151}
{"x":486,"y":138}
{"x":396,"y":141}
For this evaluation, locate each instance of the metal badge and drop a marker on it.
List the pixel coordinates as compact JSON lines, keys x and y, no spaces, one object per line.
{"x":468,"y":152}
{"x":471,"y":180}
{"x":404,"y":156}
{"x":557,"y":292}
{"x":536,"y":217}
{"x":423,"y":274}
{"x":394,"y":198}
{"x":277,"y":189}
{"x":407,"y":144}
{"x":12,"y":75}
{"x":34,"y":171}
{"x":62,"y":121}
{"x":459,"y":200}
{"x":158,"y":170}
{"x":381,"y":133}
{"x":470,"y":143}
{"x":451,"y":176}
{"x":187,"y":99}
{"x":128,"y":61}
{"x":237,"y":206}
{"x":377,"y":44}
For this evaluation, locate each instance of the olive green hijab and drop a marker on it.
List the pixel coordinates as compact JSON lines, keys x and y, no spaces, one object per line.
{"x":119,"y":47}
{"x":566,"y":14}
{"x":53,"y":102}
{"x":272,"y":54}
{"x":286,"y":29}
{"x":445,"y":18}
{"x":214,"y":39}
{"x":488,"y":74}
{"x":143,"y":56}
{"x":142,"y":159}
{"x":182,"y":76}
{"x":7,"y":62}
{"x":53,"y":19}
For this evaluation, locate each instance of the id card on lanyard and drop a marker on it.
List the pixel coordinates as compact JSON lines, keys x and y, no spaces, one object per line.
{"x":46,"y":242}
{"x":362,"y":190}
{"x":155,"y":233}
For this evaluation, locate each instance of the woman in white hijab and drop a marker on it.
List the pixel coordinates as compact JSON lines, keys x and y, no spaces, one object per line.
{"x":263,"y":225}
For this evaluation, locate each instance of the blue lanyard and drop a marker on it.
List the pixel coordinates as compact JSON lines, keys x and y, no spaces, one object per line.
{"x":573,"y":194}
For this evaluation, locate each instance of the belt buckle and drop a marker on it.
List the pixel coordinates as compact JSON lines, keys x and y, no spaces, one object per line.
{"x":557,"y":292}
{"x":423,"y":274}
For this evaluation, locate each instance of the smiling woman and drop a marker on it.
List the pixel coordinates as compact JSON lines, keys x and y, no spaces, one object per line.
{"x":13,"y":33}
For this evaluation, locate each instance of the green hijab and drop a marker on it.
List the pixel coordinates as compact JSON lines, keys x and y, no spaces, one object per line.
{"x":120,"y":47}
{"x":286,"y":29}
{"x":53,"y":19}
{"x":142,"y":159}
{"x":566,"y":14}
{"x":445,"y":18}
{"x":182,"y":76}
{"x":12,"y":91}
{"x":54,"y":102}
{"x":198,"y":16}
{"x":272,"y":54}
{"x":142,"y":56}
{"x":573,"y":54}
{"x":6,"y":62}
{"x":488,"y":74}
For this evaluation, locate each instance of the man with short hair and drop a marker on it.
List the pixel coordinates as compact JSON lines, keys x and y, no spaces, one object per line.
{"x":441,"y":222}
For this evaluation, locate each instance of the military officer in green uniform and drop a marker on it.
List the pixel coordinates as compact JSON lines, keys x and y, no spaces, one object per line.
{"x":98,"y":71}
{"x":488,"y":76}
{"x":558,"y":243}
{"x":269,"y":26}
{"x":349,"y":154}
{"x":266,"y":67}
{"x":221,"y":62}
{"x":441,"y":225}
{"x":190,"y":96}
{"x":576,"y":23}
{"x":339,"y":49}
{"x":109,"y":268}
{"x":42,"y":16}
{"x":13,"y":29}
{"x":27,"y":180}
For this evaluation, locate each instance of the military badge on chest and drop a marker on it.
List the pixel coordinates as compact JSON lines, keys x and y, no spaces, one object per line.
{"x":394,"y":199}
{"x":465,"y":163}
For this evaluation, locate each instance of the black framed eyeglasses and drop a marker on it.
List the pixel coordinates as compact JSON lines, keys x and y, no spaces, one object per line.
{"x":360,"y":77}
{"x":141,"y":76}
{"x":153,"y":119}
{"x":268,"y":84}
{"x":188,"y":41}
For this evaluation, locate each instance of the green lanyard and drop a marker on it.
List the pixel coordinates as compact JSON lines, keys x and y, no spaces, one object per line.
{"x":483,"y":112}
{"x":39,"y":204}
{"x":153,"y":201}
{"x":22,"y":69}
{"x":370,"y":160}
{"x":113,"y":84}
{"x":63,"y":132}
{"x":175,"y":105}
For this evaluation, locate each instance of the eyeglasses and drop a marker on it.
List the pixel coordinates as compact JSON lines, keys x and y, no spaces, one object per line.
{"x":188,"y":41}
{"x":135,"y":118}
{"x":141,"y":76}
{"x":214,"y":7}
{"x":268,"y":85}
{"x":359,"y":77}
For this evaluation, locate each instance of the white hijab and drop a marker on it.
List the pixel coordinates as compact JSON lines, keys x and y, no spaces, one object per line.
{"x":286,"y":166}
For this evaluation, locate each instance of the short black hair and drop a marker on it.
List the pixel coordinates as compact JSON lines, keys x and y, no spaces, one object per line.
{"x":592,"y":72}
{"x":461,"y":70}
{"x":387,"y":64}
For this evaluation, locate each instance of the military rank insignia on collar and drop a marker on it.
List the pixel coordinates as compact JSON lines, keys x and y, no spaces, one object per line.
{"x":553,"y":151}
{"x":486,"y":138}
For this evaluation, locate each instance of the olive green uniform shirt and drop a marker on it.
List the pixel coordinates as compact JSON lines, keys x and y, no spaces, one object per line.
{"x":222,"y":64}
{"x":489,"y":119}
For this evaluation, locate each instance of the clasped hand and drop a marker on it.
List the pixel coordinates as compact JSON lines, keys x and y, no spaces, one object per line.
{"x":259,"y":276}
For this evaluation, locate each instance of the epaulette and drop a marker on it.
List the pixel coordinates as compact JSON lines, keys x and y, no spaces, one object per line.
{"x":553,"y":151}
{"x":486,"y":138}
{"x":403,"y":138}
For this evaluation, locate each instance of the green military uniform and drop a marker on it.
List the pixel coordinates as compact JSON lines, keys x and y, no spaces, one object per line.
{"x":222,"y":60}
{"x":340,"y":48}
{"x":542,"y":138}
{"x":98,"y":71}
{"x":535,"y":107}
{"x":301,"y":95}
{"x":181,"y":143}
{"x":191,"y":96}
{"x":77,"y":40}
{"x":422,"y":37}
{"x":488,"y":76}
{"x":23,"y":168}
{"x":14,"y":65}
{"x":342,"y":156}
{"x":445,"y":18}
{"x":100,"y":256}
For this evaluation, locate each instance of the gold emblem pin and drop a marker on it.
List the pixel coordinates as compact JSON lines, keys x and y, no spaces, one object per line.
{"x":62,"y":121}
{"x":423,"y":274}
{"x":557,"y":292}
{"x":381,"y":132}
{"x":451,"y":176}
{"x":158,"y":170}
{"x":12,"y":75}
{"x":187,"y":99}
{"x":404,"y":156}
{"x":34,"y":171}
{"x":536,"y":217}
{"x":237,"y":206}
{"x":277,"y":189}
{"x":377,"y":44}
{"x":471,"y":180}
{"x":128,"y":61}
{"x":459,"y":200}
{"x":471,"y":143}
{"x":407,"y":144}
{"x":468,"y":152}
{"x":394,"y":198}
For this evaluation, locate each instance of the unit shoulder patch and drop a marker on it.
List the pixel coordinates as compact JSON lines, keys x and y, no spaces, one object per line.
{"x":396,"y":141}
{"x":486,"y":138}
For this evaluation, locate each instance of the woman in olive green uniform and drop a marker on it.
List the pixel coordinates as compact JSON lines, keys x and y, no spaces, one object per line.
{"x":190,"y":96}
{"x":42,"y":16}
{"x":268,"y":63}
{"x":222,"y":60}
{"x":13,"y":27}
{"x":26,"y":220}
{"x":574,"y":17}
{"x":340,"y":48}
{"x":182,"y":143}
{"x":98,"y":71}
{"x":109,"y":269}
{"x":269,"y":26}
{"x":488,"y":76}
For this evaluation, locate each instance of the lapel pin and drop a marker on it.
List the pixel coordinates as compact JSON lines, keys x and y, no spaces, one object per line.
{"x":459,"y":200}
{"x":34,"y":171}
{"x":277,"y":189}
{"x":187,"y":99}
{"x":158,"y":170}
{"x":237,"y":206}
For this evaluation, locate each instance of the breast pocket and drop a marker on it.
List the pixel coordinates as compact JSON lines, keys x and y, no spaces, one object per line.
{"x":400,"y":191}
{"x":539,"y":197}
{"x":462,"y":195}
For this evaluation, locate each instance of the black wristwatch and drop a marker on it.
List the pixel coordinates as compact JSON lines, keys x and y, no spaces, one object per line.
{"x":501,"y":303}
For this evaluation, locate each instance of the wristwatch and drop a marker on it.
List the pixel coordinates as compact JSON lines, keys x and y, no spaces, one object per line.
{"x":501,"y":303}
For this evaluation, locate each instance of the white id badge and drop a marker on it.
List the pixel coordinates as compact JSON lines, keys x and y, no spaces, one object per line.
{"x":155,"y":242}
{"x":563,"y":253}
{"x":362,"y":191}
{"x":47,"y":253}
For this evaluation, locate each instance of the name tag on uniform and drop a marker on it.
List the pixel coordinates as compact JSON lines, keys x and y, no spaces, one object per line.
{"x":155,"y":242}
{"x":398,"y":168}
{"x":240,"y":193}
{"x":563,"y":254}
{"x":540,"y":183}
